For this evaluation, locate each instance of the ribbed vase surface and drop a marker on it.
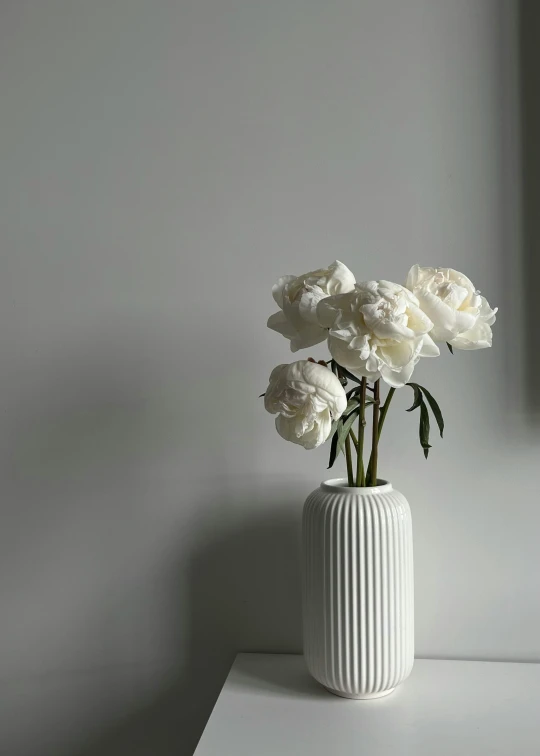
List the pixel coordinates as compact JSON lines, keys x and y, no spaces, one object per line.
{"x":358,"y":591}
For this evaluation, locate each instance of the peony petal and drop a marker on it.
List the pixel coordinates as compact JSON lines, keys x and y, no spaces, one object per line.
{"x":307,"y":305}
{"x":417,"y":275}
{"x":395,"y":356}
{"x":322,"y":429}
{"x":360,"y":342}
{"x":459,"y":278}
{"x":285,"y":427}
{"x":324,"y":382}
{"x":456,"y":296}
{"x":465,"y":319}
{"x":291,"y":429}
{"x":479,"y":337}
{"x":307,"y":337}
{"x":397,"y":378}
{"x":279,"y":287}
{"x":418,"y":320}
{"x":447,"y":322}
{"x":350,"y":359}
{"x":278,"y":322}
{"x":304,"y":334}
{"x":429,"y":347}
{"x":372,"y":363}
{"x":344,"y":335}
{"x":276,"y":385}
{"x":329,"y":308}
{"x":341,"y":280}
{"x":486,"y":313}
{"x":388,"y":329}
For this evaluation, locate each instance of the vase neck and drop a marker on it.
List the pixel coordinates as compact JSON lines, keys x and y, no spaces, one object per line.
{"x":339,"y":485}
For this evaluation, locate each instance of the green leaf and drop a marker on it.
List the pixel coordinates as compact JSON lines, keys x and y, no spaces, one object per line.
{"x":450,"y":347}
{"x":334,"y":427}
{"x":351,"y":404}
{"x":261,"y":395}
{"x":418,"y":399}
{"x":437,"y":414}
{"x":419,"y":391}
{"x":334,"y":432}
{"x":351,"y":407}
{"x":344,"y":432}
{"x":354,"y":403}
{"x":424,"y":429}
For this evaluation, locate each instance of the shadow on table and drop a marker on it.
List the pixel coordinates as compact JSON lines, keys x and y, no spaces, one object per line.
{"x":244,"y":594}
{"x":265,"y":674}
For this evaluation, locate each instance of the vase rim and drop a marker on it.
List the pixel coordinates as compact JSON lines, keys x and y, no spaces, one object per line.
{"x":341,"y":485}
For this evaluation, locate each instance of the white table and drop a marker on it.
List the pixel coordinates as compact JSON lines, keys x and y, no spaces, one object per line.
{"x":269,"y":706}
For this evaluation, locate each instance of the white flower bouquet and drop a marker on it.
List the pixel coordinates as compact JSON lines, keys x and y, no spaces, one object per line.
{"x":376,"y":331}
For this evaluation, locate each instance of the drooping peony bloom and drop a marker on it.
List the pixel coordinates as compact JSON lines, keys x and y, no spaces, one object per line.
{"x":460,"y":314}
{"x":306,"y":397}
{"x":377,"y":330}
{"x":298,"y":297}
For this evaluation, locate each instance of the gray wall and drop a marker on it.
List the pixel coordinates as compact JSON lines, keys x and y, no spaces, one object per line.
{"x":163,"y":162}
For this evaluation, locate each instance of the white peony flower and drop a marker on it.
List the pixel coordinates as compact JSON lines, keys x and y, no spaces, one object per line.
{"x":306,"y":397}
{"x":298,"y":297}
{"x":378,"y":331}
{"x":460,"y":315}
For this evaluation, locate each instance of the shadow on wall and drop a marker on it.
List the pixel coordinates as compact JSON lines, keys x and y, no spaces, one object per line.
{"x":242,"y":588}
{"x":529,"y":33}
{"x":82,"y":446}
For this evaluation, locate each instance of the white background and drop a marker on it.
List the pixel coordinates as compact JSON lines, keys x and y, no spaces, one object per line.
{"x":162,"y":163}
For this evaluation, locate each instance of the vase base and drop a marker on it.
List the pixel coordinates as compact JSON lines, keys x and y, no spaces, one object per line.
{"x":362,"y":697}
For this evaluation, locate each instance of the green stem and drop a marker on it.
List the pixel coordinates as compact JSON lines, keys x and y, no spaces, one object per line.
{"x":384,"y":409}
{"x":348,"y":457}
{"x":382,"y":418}
{"x":360,"y":475}
{"x":372,"y":478}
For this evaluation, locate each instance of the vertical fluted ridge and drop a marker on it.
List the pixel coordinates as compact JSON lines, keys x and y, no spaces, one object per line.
{"x":358,"y":590}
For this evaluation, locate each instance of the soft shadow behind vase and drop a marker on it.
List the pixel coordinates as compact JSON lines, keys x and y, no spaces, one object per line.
{"x":358,"y":594}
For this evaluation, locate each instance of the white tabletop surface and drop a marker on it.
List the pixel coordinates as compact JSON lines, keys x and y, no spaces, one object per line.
{"x":269,"y":706}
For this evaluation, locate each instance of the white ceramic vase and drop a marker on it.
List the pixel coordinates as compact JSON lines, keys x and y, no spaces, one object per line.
{"x":358,"y":593}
